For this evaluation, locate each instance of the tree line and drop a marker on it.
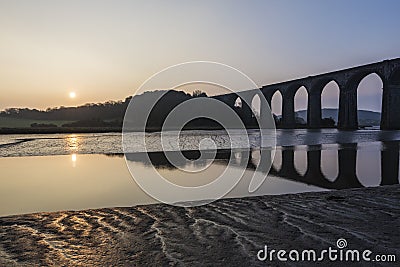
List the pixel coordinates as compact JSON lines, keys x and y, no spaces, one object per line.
{"x":111,"y":113}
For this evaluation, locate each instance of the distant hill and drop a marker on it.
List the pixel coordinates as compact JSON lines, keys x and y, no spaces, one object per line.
{"x":365,"y":117}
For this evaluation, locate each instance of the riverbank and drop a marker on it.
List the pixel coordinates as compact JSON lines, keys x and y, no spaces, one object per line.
{"x":226,"y":232}
{"x":60,"y":130}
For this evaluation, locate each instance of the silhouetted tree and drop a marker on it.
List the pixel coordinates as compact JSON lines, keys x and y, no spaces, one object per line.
{"x":111,"y":113}
{"x":199,"y":93}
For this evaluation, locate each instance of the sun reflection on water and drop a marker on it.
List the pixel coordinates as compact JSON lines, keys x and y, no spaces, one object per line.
{"x":72,"y":145}
{"x":72,"y":142}
{"x":73,"y":159}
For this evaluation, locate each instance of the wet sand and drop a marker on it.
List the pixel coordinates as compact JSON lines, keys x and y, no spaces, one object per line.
{"x":227,"y":232}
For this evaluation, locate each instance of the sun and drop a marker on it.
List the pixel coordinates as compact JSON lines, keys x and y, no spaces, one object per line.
{"x":72,"y":95}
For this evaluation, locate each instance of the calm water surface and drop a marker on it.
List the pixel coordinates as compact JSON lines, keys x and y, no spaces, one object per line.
{"x":72,"y":180}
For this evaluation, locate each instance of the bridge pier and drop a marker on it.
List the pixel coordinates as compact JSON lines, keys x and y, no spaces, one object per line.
{"x":314,"y":172}
{"x":384,"y":113}
{"x":391,"y":107}
{"x":348,"y":119}
{"x":268,"y":98}
{"x":390,"y":164}
{"x":288,"y":115}
{"x":288,"y":169}
{"x":347,"y":177}
{"x":314,"y":112}
{"x":246,"y":98}
{"x":266,"y":115}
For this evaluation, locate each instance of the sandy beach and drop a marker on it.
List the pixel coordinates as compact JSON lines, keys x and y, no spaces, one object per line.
{"x":226,"y":232}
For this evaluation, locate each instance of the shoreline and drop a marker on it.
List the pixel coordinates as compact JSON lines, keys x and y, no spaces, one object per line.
{"x":228,"y":231}
{"x":75,"y":130}
{"x":60,"y":130}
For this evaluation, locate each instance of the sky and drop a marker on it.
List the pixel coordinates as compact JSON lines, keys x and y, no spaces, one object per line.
{"x":104,"y":50}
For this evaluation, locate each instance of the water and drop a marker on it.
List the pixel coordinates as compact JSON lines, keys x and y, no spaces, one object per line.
{"x":110,"y":143}
{"x":87,"y":170}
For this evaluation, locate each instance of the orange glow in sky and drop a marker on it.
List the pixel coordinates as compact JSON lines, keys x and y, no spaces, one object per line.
{"x":105,"y":54}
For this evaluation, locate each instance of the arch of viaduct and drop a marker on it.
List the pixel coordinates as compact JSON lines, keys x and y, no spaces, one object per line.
{"x":347,"y":81}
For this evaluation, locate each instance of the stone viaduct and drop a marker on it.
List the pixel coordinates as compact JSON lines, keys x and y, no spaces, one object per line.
{"x":347,"y":81}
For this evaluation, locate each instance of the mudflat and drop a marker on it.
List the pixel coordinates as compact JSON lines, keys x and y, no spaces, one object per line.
{"x":226,"y":232}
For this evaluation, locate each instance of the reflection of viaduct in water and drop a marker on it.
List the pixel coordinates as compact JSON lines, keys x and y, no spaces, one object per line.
{"x":347,"y":161}
{"x":347,"y":81}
